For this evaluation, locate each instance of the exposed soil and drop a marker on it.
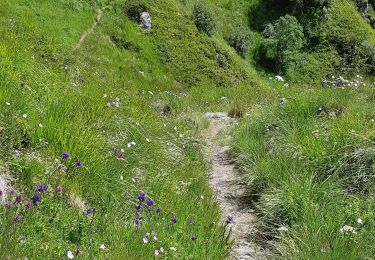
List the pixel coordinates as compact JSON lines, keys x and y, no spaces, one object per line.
{"x":226,"y":182}
{"x":89,"y":30}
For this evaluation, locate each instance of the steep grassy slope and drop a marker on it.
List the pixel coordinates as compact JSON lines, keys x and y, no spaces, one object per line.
{"x":306,"y":152}
{"x":90,"y":103}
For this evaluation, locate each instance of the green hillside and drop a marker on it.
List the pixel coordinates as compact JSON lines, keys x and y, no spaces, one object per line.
{"x":102,"y":146}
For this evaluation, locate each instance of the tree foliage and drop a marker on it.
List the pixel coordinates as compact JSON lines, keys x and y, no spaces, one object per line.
{"x":283,"y":39}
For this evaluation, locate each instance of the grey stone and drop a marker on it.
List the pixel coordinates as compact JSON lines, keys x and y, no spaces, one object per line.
{"x":145,"y":20}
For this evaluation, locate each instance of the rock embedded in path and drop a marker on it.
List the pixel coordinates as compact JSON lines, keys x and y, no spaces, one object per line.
{"x":217,"y":115}
{"x":145,"y":20}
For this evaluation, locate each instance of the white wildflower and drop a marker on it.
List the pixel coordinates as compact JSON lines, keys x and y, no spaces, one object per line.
{"x":70,"y":255}
{"x":162,"y":250}
{"x":102,"y":247}
{"x":40,"y":125}
{"x":315,"y":133}
{"x":145,"y":240}
{"x":360,"y":221}
{"x":7,"y":103}
{"x":24,"y":115}
{"x":283,"y":228}
{"x":279,"y":78}
{"x":347,"y":229}
{"x":105,"y":95}
{"x":157,"y":252}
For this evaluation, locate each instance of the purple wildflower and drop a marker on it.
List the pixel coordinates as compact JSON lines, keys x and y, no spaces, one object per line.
{"x":138,"y":207}
{"x":28,"y":205}
{"x":174,"y":219}
{"x":17,"y":218}
{"x":158,"y":210}
{"x":13,"y":192}
{"x":23,"y":84}
{"x":1,"y":193}
{"x":59,"y":189}
{"x":78,"y":164}
{"x":65,"y":156}
{"x":9,"y":205}
{"x":19,"y":199}
{"x":193,"y":238}
{"x":149,"y":203}
{"x":36,"y":198}
{"x":229,"y":219}
{"x":41,"y":188}
{"x":89,"y":211}
{"x":142,"y":196}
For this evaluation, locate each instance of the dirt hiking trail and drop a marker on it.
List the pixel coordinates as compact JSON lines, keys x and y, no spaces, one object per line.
{"x":90,"y":30}
{"x":226,"y":183}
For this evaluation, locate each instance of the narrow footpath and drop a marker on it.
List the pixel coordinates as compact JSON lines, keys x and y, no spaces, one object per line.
{"x":226,"y":183}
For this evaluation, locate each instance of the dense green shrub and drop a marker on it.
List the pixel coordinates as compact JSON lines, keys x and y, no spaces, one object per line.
{"x":369,"y":53}
{"x":239,"y":39}
{"x":283,"y":39}
{"x":203,"y":18}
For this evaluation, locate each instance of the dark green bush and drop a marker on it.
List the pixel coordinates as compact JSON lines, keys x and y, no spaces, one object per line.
{"x":203,"y":18}
{"x":239,"y":39}
{"x":368,"y":50}
{"x":283,"y":39}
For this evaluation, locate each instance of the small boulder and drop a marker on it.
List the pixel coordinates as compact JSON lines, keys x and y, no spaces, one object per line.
{"x":145,"y":20}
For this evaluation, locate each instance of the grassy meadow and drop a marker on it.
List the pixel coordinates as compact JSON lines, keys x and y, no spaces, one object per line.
{"x":102,"y":152}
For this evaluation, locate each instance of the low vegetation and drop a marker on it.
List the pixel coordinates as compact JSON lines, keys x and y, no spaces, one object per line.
{"x":102,"y":154}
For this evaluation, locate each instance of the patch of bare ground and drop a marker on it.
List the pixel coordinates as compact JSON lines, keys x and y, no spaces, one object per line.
{"x":226,"y":182}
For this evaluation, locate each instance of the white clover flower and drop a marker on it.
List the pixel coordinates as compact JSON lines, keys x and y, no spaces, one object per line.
{"x":40,"y":125}
{"x":360,"y":221}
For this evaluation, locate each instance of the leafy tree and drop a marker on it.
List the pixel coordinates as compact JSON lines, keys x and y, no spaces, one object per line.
{"x":283,"y":39}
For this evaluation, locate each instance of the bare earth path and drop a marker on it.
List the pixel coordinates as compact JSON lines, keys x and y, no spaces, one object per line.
{"x":89,"y":30}
{"x":226,"y":183}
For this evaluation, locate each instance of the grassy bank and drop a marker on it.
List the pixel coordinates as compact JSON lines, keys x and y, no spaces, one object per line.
{"x":66,"y":114}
